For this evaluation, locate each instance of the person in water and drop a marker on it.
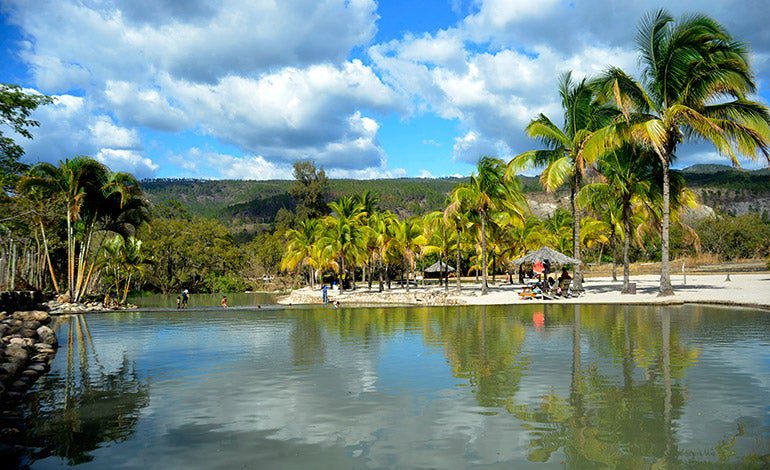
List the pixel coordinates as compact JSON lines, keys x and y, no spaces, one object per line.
{"x":178,"y":302}
{"x":223,"y":302}
{"x":185,"y":298}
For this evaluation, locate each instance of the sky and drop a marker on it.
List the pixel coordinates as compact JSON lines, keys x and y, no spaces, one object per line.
{"x":241,"y":89}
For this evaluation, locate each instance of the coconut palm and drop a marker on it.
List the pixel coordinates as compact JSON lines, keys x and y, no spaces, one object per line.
{"x":299,"y":248}
{"x":487,"y":191}
{"x":345,"y":232}
{"x":439,"y":234}
{"x":565,"y":158}
{"x":695,"y":83}
{"x":408,"y":240}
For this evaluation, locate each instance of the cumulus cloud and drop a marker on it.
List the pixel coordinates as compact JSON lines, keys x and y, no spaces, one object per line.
{"x":127,"y":160}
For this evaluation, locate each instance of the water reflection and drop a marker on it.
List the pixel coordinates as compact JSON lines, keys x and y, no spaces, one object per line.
{"x":455,"y":387}
{"x":74,"y":413}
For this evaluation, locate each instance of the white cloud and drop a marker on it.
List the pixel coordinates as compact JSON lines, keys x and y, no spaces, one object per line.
{"x":248,"y":168}
{"x":144,"y":107}
{"x":424,"y":174}
{"x":127,"y":160}
{"x":106,"y":134}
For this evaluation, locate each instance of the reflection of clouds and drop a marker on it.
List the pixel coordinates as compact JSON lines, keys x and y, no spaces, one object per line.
{"x":226,"y":392}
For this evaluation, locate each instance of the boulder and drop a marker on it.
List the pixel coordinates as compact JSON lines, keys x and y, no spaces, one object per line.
{"x":18,"y":341}
{"x":31,"y":324}
{"x":38,"y":367}
{"x":28,"y":333}
{"x":46,"y":335}
{"x":32,"y":373}
{"x":9,"y":368}
{"x":33,"y":315}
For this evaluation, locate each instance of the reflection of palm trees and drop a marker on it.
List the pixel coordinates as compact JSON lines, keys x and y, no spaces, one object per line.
{"x":604,"y":422}
{"x":96,"y":407}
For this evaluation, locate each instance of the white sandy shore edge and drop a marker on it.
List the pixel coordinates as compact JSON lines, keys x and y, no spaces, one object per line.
{"x":743,"y":289}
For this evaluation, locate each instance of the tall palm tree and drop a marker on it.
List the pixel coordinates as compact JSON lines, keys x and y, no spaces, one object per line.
{"x":695,"y":83}
{"x":345,"y":232}
{"x":408,"y":239}
{"x":439,"y":236}
{"x":456,"y":215}
{"x":565,"y":158}
{"x":299,"y":248}
{"x":489,"y":190}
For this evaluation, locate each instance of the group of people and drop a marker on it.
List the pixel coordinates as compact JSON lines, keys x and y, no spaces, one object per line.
{"x":545,"y":283}
{"x":183,"y":299}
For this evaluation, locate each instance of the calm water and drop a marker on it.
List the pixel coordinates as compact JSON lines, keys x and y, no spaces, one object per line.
{"x":234,"y":300}
{"x":625,"y":387}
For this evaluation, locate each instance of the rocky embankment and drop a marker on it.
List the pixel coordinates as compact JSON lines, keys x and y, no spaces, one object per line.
{"x":59,"y":307}
{"x":421,"y":296}
{"x":26,"y":351}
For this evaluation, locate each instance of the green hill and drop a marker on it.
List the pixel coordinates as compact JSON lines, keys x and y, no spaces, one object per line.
{"x":248,"y":205}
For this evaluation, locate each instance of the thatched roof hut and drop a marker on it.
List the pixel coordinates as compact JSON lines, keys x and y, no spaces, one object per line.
{"x":543,"y":254}
{"x":439,"y":267}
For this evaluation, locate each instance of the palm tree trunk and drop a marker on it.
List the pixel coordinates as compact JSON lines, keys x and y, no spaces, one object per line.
{"x":125,"y":290}
{"x":406,"y":272}
{"x":382,"y":267}
{"x":577,"y":278}
{"x":457,"y":260}
{"x":626,"y":244}
{"x":70,"y":255}
{"x":341,"y":271}
{"x":614,"y":241}
{"x":484,"y":286}
{"x":665,"y":273}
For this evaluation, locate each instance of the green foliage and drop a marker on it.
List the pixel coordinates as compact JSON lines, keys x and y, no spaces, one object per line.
{"x":745,"y":236}
{"x":16,"y":105}
{"x":310,"y":190}
{"x":192,"y":254}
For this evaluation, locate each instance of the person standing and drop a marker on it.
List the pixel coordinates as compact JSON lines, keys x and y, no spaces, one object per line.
{"x":185,"y":298}
{"x":325,"y":294}
{"x":223,"y":302}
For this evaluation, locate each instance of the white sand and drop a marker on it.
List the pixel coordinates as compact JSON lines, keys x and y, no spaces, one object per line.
{"x":743,"y":289}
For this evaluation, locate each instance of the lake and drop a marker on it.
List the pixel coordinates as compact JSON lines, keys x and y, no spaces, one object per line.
{"x":449,"y":387}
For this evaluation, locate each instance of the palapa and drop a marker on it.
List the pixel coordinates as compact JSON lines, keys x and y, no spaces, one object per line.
{"x":545,"y":253}
{"x":438,"y":267}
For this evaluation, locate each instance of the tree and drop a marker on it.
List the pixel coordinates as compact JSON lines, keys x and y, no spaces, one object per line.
{"x":695,"y":83}
{"x":489,"y":190}
{"x":16,"y":106}
{"x":94,"y":199}
{"x":299,"y":249}
{"x":344,"y":234}
{"x":565,"y":158}
{"x":310,"y":190}
{"x":408,"y":238}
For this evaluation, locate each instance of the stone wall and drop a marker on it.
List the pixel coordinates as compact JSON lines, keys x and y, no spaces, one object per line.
{"x":27,"y":348}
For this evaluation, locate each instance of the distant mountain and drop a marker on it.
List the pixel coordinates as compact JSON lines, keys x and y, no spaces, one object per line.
{"x":246,"y":206}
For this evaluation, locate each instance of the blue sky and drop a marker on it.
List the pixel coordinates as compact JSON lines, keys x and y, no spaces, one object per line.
{"x":243,"y":88}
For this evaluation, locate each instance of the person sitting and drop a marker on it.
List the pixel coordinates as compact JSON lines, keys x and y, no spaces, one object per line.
{"x":564,"y":275}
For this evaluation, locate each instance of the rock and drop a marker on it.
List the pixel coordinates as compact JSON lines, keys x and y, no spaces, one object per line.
{"x":9,"y":369}
{"x":64,"y":298}
{"x":16,"y":352}
{"x":34,"y":315}
{"x":46,"y":335}
{"x":14,"y":395}
{"x":19,"y":341}
{"x":42,"y":357}
{"x":30,"y":373}
{"x":19,"y":385}
{"x":38,"y":367}
{"x":27,"y":333}
{"x":31,"y":324}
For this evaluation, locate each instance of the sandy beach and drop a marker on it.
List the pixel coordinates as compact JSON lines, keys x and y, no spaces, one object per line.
{"x":742,"y":289}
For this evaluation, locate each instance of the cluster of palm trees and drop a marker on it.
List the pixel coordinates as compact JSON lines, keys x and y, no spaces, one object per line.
{"x":93,"y":211}
{"x":614,"y":151}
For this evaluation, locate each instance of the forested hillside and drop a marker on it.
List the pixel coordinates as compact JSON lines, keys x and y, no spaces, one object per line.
{"x":247,"y":205}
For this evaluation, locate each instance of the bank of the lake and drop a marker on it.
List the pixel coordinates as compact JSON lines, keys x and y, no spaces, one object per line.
{"x":751,"y":290}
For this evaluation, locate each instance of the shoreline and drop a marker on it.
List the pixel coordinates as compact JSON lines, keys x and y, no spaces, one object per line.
{"x":744,"y":290}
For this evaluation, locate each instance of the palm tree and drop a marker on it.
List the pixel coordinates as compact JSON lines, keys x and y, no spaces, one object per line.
{"x":345,"y":232}
{"x":456,"y":215}
{"x":408,"y":239}
{"x":695,"y":83}
{"x":565,"y":158}
{"x":487,"y":191}
{"x":439,"y":235}
{"x":299,"y":248}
